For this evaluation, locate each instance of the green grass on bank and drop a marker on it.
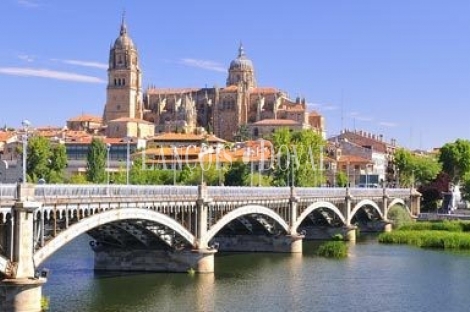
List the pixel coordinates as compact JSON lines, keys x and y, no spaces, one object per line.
{"x":444,"y":235}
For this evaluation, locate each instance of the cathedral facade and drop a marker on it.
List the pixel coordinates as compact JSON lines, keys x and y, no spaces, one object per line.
{"x":221,"y":111}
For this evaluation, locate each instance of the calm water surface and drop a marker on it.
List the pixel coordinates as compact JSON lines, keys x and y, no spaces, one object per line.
{"x":373,"y":278}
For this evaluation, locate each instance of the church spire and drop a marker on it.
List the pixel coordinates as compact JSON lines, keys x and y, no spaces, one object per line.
{"x":241,"y":50}
{"x":123,"y":24}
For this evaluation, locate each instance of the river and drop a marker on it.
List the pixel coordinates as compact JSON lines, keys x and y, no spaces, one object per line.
{"x":374,"y":277}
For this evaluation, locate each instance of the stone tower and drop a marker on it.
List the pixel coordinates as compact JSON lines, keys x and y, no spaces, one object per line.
{"x":124,"y":90}
{"x":241,"y":71}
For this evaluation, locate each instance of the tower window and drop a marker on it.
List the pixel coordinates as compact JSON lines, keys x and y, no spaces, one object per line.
{"x":123,"y":82}
{"x":118,"y":107}
{"x":115,"y":81}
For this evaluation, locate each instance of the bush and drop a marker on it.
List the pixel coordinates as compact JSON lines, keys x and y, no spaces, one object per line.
{"x":333,"y":249}
{"x":399,"y":216}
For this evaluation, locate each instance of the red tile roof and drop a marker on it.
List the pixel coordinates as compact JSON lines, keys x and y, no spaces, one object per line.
{"x":276,"y":122}
{"x":6,"y":135}
{"x":127,"y":119}
{"x":86,"y":117}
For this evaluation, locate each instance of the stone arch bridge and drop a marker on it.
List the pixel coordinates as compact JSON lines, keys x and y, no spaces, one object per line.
{"x":172,"y":228}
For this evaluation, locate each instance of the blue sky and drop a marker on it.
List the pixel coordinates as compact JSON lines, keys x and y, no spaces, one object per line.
{"x":400,"y":68}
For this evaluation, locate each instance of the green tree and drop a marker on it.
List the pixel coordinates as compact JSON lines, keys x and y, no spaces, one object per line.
{"x":455,"y":159}
{"x":78,"y":179}
{"x":57,"y":164}
{"x":237,"y":174}
{"x":39,"y":157}
{"x":415,"y":169}
{"x":341,"y":179}
{"x":96,"y":161}
{"x":297,"y":156}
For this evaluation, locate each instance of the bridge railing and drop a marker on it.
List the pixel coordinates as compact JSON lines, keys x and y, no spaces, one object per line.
{"x":50,"y":191}
{"x":129,"y":191}
{"x":319,"y":192}
{"x":245,"y":192}
{"x":7,"y":192}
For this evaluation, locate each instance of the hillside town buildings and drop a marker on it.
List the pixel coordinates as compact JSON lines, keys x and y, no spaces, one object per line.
{"x":156,"y":121}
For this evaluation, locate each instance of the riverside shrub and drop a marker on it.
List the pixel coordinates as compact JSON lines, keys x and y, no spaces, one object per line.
{"x":333,"y":249}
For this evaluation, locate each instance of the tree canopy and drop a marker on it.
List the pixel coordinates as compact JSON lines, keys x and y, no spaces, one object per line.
{"x":415,"y":169}
{"x":45,"y":160}
{"x":455,"y":159}
{"x":96,"y":161}
{"x":297,"y":157}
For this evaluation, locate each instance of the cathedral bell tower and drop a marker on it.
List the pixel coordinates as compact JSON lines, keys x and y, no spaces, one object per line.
{"x":124,"y":91}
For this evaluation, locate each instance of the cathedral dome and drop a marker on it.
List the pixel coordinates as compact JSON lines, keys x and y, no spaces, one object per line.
{"x":123,"y":41}
{"x":241,"y":62}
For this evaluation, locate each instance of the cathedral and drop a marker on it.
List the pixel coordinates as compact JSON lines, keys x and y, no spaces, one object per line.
{"x":130,"y":111}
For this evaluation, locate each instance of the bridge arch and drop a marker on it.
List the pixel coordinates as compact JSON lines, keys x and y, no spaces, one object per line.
{"x":366,"y":202}
{"x":242,"y":211}
{"x":399,"y":201}
{"x":106,"y":217}
{"x":315,"y":206}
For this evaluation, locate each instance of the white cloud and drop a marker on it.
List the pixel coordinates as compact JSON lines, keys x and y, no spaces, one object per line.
{"x":358,"y":116}
{"x":329,"y":107}
{"x":364,"y":118}
{"x":28,"y":3}
{"x":26,"y":58}
{"x":204,"y":64}
{"x":47,"y":73}
{"x":388,"y":124}
{"x":84,"y":63}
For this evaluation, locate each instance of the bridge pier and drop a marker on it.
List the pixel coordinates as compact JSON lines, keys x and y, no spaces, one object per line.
{"x":203,"y":260}
{"x":21,"y":294}
{"x":145,"y":260}
{"x":415,"y":202}
{"x":21,"y":290}
{"x":349,"y":233}
{"x":260,"y":243}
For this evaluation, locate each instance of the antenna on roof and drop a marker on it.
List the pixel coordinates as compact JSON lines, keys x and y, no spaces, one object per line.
{"x":342,"y":111}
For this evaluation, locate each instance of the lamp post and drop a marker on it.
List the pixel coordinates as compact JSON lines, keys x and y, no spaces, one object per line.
{"x":367,"y":174}
{"x":292,"y":160}
{"x":108,"y":148}
{"x":398,"y":177}
{"x":128,"y":155}
{"x":174,"y":165}
{"x":26,"y":125}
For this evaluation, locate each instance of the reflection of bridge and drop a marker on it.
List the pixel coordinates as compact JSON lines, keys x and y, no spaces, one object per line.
{"x":170,"y":228}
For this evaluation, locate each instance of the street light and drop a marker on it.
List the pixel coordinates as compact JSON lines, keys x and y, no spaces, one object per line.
{"x":26,"y":125}
{"x":367,"y":174}
{"x":292,"y":172}
{"x":174,"y":165}
{"x":398,"y":177}
{"x":128,"y":141}
{"x":108,"y":148}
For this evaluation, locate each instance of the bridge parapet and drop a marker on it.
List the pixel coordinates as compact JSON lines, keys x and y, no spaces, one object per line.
{"x":7,"y":192}
{"x":320,"y":192}
{"x":229,"y":193}
{"x":69,"y":191}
